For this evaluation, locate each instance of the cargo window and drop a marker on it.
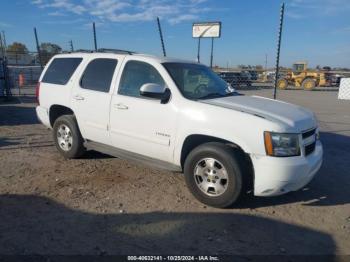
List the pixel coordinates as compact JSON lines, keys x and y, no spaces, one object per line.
{"x":61,"y":70}
{"x":98,"y":74}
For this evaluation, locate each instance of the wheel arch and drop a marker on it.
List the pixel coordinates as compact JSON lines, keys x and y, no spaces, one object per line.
{"x":194,"y":140}
{"x":56,"y":111}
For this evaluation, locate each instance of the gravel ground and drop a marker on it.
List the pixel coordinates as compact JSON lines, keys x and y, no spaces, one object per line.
{"x":104,"y":205}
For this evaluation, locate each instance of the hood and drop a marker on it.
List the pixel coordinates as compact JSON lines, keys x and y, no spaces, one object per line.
{"x":292,"y":116}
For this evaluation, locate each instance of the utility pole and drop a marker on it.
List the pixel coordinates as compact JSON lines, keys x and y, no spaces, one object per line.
{"x":71,"y":45}
{"x":2,"y":51}
{"x":265,"y":62}
{"x":211,"y":54}
{"x":161,"y":36}
{"x":278,"y":50}
{"x":3,"y":47}
{"x":4,"y":39}
{"x":94,"y":32}
{"x":38,"y":48}
{"x":199,"y":48}
{"x":4,"y":43}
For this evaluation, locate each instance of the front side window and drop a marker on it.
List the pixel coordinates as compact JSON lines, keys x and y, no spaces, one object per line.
{"x":197,"y":81}
{"x":61,"y":70}
{"x":135,"y":75}
{"x":98,"y":74}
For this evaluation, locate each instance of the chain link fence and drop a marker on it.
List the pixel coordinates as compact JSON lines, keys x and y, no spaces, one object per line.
{"x":344,"y":90}
{"x":21,"y":70}
{"x":288,"y":78}
{"x":240,"y":78}
{"x":23,"y":77}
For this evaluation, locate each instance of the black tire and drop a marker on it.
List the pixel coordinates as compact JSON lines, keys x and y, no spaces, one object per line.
{"x":77,"y":148}
{"x":229,"y":158}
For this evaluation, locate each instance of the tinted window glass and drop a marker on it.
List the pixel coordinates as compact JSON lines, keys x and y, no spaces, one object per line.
{"x":196,"y":81}
{"x":61,"y":70}
{"x":135,"y":75}
{"x":98,"y":74}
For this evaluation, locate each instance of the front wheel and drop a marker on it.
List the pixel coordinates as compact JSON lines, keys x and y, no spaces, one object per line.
{"x":213,"y":174}
{"x":67,"y":137}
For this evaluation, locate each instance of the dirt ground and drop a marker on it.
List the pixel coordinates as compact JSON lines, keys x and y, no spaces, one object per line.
{"x":104,"y":205}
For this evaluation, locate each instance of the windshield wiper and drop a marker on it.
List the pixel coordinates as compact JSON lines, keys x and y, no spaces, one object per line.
{"x":216,"y":95}
{"x":210,"y":95}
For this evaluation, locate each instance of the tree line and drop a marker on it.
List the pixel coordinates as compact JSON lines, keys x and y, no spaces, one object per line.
{"x":47,"y":50}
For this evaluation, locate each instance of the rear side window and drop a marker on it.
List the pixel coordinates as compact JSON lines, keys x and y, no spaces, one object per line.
{"x":61,"y":70}
{"x":98,"y":74}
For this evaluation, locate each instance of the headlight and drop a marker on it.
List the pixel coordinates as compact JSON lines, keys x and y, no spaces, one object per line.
{"x":279,"y":144}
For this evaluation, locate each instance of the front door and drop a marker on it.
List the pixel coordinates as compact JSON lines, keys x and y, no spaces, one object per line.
{"x":138,"y":124}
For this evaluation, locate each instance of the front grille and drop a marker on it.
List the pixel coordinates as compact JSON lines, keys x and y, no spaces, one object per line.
{"x":309,"y":141}
{"x":309,"y":133}
{"x":310,"y":148}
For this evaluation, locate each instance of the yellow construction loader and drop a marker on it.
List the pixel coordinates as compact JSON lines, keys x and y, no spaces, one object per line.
{"x":301,"y":77}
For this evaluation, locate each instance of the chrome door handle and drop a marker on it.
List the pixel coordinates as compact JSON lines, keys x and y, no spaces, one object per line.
{"x":78,"y":97}
{"x":120,"y":106}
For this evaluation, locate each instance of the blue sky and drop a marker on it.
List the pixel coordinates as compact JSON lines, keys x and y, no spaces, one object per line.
{"x":315,"y":30}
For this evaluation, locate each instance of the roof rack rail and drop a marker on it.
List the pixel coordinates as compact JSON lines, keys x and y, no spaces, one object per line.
{"x":115,"y":51}
{"x":78,"y":51}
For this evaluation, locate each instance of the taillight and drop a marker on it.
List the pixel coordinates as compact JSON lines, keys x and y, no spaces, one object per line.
{"x":37,"y":92}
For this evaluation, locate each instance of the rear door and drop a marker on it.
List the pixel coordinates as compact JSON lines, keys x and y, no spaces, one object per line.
{"x":91,"y":97}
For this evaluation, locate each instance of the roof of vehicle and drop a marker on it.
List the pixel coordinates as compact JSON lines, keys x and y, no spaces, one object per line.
{"x":158,"y":59}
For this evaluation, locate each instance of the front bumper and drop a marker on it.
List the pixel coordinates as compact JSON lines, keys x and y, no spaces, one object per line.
{"x":276,"y":176}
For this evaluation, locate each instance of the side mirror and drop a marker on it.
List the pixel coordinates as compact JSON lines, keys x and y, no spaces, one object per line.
{"x":230,"y":88}
{"x":155,"y":91}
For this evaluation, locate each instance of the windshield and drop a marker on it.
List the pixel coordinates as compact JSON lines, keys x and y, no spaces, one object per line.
{"x":298,"y":67}
{"x":197,"y":81}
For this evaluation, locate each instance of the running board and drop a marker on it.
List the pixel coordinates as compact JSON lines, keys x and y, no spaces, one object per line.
{"x":130,"y":156}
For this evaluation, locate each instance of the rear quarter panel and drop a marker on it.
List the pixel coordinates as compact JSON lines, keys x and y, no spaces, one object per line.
{"x":53,"y":94}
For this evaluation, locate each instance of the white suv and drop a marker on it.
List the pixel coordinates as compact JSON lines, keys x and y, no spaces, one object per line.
{"x":181,"y":116}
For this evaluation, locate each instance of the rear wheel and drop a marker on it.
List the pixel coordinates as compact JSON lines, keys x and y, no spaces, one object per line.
{"x":282,"y":83}
{"x":67,"y":137}
{"x":308,"y":84}
{"x":213,"y":174}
